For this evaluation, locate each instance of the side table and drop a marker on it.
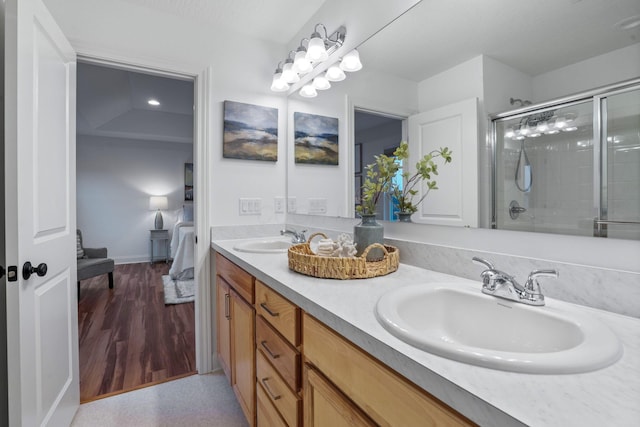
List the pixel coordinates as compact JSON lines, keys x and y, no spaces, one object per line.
{"x":159,"y":236}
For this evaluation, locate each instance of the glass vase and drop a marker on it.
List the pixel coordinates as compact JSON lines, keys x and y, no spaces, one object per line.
{"x":369,"y":231}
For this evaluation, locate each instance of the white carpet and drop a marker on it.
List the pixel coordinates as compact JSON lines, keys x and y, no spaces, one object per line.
{"x":178,"y":291}
{"x":195,"y":401}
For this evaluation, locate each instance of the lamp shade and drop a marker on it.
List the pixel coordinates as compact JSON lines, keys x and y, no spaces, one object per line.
{"x":321,"y":83}
{"x":351,"y":61}
{"x":316,"y":51}
{"x":335,"y":74}
{"x":278,"y":84}
{"x":158,"y":203}
{"x":301,"y":64}
{"x":288,"y":74}
{"x":308,"y":91}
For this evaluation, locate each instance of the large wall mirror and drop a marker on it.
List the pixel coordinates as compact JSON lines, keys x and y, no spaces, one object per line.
{"x":500,"y":54}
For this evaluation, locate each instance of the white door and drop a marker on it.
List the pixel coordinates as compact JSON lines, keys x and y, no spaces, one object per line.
{"x":454,"y":126}
{"x":40,"y":209}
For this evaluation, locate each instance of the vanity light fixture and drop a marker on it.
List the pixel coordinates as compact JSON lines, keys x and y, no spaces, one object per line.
{"x":351,"y":61}
{"x":154,"y":102}
{"x":320,"y":46}
{"x":278,"y":84}
{"x":335,"y":74}
{"x":308,"y":91}
{"x":321,"y":82}
{"x":535,"y":125}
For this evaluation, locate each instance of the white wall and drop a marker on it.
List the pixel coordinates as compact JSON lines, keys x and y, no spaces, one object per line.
{"x":612,"y":67}
{"x":241,"y":69}
{"x":115,"y":178}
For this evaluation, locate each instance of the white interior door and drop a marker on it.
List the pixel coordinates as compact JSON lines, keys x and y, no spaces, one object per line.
{"x":454,"y":126}
{"x":40,"y":81}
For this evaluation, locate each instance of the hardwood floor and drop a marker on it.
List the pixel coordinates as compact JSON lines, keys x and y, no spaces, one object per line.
{"x":128,"y":337}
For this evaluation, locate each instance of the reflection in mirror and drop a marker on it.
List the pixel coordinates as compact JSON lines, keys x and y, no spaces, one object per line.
{"x":376,"y":133}
{"x":445,"y":51}
{"x":563,"y":141}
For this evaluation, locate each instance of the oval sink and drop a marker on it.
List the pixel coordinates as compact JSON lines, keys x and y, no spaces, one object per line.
{"x":275,"y":245}
{"x":465,"y":325}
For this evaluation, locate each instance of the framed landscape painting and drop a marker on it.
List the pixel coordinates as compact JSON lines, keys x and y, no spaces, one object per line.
{"x":188,"y":181}
{"x":250,"y":132}
{"x":316,"y":139}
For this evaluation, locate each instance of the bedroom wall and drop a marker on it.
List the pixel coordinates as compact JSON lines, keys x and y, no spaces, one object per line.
{"x":115,"y":178}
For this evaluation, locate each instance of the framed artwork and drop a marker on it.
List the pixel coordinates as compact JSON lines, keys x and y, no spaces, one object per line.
{"x":188,"y":181}
{"x":316,"y":139}
{"x":250,"y":132}
{"x":357,"y":156}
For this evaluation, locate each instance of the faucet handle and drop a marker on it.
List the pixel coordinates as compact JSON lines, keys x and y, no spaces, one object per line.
{"x":482,"y":261}
{"x":532,"y":285}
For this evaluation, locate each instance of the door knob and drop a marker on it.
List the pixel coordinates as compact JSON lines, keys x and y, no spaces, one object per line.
{"x":28,"y":270}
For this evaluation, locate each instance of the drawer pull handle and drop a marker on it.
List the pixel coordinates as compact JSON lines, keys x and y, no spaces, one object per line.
{"x":268,"y":310}
{"x":266,"y":387}
{"x":268,"y":350}
{"x":226,"y":306}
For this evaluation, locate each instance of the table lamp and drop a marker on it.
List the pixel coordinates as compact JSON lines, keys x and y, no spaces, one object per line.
{"x":158,"y":203}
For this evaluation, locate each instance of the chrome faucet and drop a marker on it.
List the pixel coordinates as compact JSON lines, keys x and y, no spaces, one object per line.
{"x":296,"y":236}
{"x":503,"y":285}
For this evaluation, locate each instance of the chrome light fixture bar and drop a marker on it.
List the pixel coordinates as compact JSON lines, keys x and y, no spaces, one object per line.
{"x":304,"y":59}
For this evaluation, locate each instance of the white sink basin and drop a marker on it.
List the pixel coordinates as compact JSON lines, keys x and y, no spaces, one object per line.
{"x":265,"y":246}
{"x":465,"y":325}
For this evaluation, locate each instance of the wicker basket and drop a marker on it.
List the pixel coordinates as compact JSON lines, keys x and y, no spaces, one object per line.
{"x":303,"y":260}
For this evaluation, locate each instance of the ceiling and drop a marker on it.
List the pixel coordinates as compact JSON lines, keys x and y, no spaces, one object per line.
{"x":531,"y":36}
{"x":273,"y":20}
{"x":113,"y":103}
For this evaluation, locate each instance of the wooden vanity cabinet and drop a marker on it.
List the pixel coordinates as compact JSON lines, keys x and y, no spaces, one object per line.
{"x":279,"y":376}
{"x":235,"y":317}
{"x":274,"y":354}
{"x":352,"y":376}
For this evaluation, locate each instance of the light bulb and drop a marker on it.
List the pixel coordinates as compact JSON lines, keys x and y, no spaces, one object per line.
{"x":301,"y":64}
{"x":509,"y":133}
{"x":321,"y":83}
{"x":351,"y":61}
{"x":335,"y":74}
{"x":288,"y":75}
{"x":316,"y":51}
{"x":308,"y":91}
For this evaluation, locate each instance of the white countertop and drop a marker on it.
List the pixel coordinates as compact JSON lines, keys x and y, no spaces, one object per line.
{"x":608,"y":396}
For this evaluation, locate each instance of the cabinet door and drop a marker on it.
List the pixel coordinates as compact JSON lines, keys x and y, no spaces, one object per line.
{"x":326,"y":406}
{"x":243,"y":355}
{"x":223,"y":325}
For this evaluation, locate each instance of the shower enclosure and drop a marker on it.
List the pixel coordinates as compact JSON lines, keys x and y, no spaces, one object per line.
{"x":570,"y":166}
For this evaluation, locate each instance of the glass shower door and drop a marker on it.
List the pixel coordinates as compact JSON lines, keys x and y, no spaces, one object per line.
{"x":618,"y":210}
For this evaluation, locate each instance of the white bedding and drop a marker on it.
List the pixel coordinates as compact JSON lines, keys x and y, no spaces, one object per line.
{"x":182,"y":243}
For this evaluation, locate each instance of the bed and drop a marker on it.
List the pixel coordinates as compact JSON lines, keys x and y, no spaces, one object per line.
{"x":182,"y":250}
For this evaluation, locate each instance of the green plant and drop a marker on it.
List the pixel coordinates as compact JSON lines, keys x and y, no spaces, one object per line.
{"x":425,"y":168}
{"x":379,"y":180}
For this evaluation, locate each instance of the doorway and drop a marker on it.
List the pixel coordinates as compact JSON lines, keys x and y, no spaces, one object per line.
{"x":376,"y":133}
{"x":134,"y":141}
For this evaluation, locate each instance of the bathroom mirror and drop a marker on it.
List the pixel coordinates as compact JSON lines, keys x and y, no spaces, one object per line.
{"x":505,"y":54}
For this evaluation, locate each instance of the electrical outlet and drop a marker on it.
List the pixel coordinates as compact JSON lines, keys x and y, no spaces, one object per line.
{"x":278,"y":205}
{"x":250,"y":206}
{"x":317,"y":206}
{"x":291,"y":205}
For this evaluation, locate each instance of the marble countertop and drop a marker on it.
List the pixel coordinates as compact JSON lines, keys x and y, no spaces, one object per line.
{"x":489,"y":397}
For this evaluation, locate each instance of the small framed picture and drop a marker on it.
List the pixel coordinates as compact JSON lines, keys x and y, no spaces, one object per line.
{"x":188,"y":181}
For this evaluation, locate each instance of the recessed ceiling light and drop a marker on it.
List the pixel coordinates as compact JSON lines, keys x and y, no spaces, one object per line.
{"x":153,"y":102}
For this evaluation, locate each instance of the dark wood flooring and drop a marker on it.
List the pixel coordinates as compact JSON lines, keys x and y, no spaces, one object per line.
{"x":128,"y":337}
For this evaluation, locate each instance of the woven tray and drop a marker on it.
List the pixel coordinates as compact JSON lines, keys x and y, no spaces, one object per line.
{"x":304,"y":261}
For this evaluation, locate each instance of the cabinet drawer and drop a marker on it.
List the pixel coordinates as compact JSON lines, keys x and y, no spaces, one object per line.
{"x":237,"y":278}
{"x":280,"y":313}
{"x":385,"y":396}
{"x":284,"y":400}
{"x":267,"y":416}
{"x":279,"y":352}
